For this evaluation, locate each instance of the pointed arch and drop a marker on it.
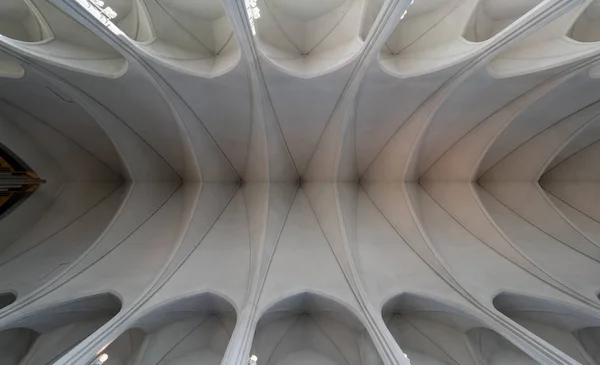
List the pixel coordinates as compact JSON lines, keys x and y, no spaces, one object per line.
{"x":196,"y":328}
{"x":309,"y":328}
{"x":42,"y":337}
{"x":431,"y":331}
{"x":310,"y":39}
{"x":572,"y":330}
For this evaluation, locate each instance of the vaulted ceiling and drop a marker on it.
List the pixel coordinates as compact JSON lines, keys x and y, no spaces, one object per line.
{"x":303,"y":161}
{"x":313,"y":91}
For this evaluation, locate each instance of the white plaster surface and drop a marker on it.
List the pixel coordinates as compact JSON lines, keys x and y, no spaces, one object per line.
{"x":335,"y":182}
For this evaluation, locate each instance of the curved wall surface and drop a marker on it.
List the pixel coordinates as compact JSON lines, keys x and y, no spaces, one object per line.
{"x":283,"y":182}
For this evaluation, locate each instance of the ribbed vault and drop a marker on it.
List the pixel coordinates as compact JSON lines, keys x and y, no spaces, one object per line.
{"x":337,"y":182}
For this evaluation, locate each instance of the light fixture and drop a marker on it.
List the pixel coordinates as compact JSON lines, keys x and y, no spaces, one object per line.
{"x":100,"y":359}
{"x":253,"y":359}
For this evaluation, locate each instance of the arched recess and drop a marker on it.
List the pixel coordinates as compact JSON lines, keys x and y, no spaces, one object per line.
{"x":573,"y":332}
{"x":437,"y":34}
{"x":428,"y":38}
{"x":571,"y":37}
{"x":192,"y":330}
{"x":193,"y":37}
{"x":430,"y":332}
{"x":44,"y":336}
{"x":587,"y":27}
{"x":307,"y":329}
{"x":493,"y":16}
{"x":42,"y":30}
{"x":7,"y":299}
{"x":9,"y":67}
{"x":310,"y":38}
{"x":18,"y":21}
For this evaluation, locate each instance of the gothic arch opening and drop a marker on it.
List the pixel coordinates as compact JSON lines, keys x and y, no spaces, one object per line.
{"x":587,"y":26}
{"x":432,"y":35}
{"x":39,"y":28}
{"x":44,"y":336}
{"x":19,"y":21}
{"x":194,"y":37}
{"x":310,"y":38}
{"x":192,"y":330}
{"x":575,"y":333}
{"x":566,"y":39}
{"x":431,"y":332}
{"x":308,"y":329}
{"x":493,"y":16}
{"x":131,"y":17}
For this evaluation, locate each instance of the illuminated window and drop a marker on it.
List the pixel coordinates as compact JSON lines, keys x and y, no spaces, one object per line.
{"x":253,"y":13}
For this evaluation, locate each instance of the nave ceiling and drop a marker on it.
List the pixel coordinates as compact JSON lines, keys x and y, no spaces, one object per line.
{"x":420,"y":176}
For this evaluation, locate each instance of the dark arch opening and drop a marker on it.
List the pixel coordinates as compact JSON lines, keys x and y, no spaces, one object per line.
{"x":7,"y":299}
{"x":46,"y":335}
{"x":432,"y":332}
{"x":563,"y":326}
{"x":17,"y":181}
{"x":194,"y":330}
{"x":308,"y":329}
